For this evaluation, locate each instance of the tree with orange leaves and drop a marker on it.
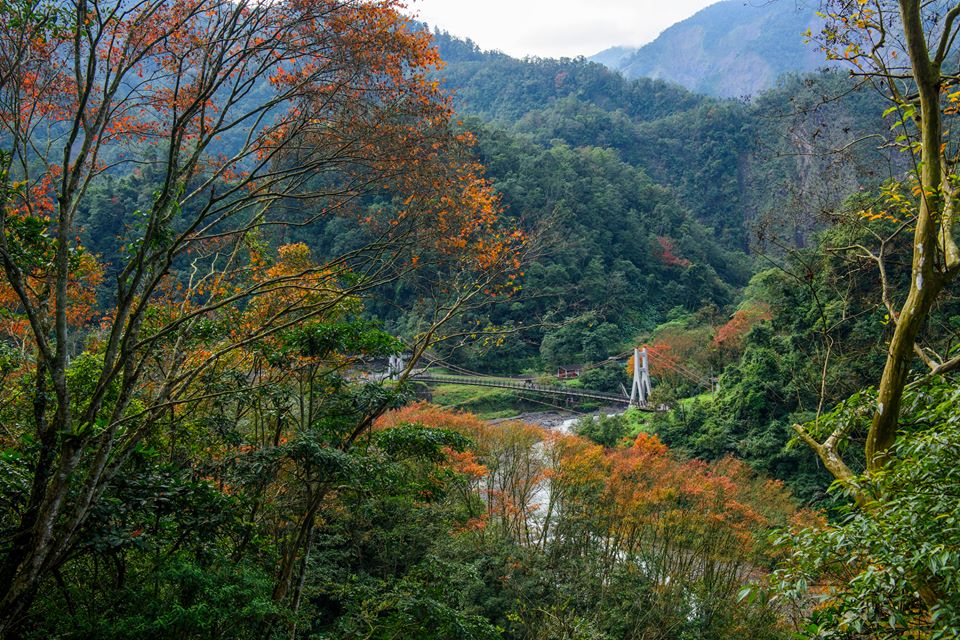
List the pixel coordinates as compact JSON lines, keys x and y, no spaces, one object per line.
{"x":691,"y":533}
{"x":729,"y":337}
{"x":253,"y":118}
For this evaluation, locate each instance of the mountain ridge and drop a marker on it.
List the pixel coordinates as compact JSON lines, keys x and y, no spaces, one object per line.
{"x":728,"y":49}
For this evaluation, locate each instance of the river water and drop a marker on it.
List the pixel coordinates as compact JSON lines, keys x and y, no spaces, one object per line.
{"x":562,"y":421}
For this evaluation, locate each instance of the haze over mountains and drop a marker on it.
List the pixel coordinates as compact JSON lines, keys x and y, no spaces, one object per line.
{"x":730,"y":49}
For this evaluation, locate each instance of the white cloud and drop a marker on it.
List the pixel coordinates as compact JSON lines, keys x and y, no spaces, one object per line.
{"x":554,"y":28}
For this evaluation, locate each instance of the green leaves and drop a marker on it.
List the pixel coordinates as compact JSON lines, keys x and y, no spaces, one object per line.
{"x":321,"y":339}
{"x":892,"y":567}
{"x":330,"y":463}
{"x":418,"y":441}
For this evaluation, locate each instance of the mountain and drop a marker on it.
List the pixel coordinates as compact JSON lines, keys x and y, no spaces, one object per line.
{"x":730,"y":161}
{"x":613,"y":57}
{"x":503,"y":89}
{"x":730,"y":49}
{"x":650,"y":195}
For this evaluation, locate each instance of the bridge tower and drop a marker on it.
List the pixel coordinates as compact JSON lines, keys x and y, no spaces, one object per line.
{"x":395,"y":366}
{"x":640,"y":390}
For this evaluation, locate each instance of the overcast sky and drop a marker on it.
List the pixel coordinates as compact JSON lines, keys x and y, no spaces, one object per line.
{"x":554,"y":28}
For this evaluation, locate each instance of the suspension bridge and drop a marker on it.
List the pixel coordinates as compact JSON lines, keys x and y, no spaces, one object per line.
{"x":638,"y":396}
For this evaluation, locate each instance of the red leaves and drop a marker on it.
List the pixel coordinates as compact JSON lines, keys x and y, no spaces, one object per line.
{"x":465,"y":463}
{"x":433,"y":416}
{"x":298,"y":88}
{"x":34,"y":200}
{"x":648,"y":445}
{"x":667,"y":254}
{"x":722,"y":505}
{"x":731,"y":335}
{"x":85,"y":276}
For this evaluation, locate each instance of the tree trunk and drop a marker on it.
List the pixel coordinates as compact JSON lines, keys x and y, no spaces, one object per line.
{"x":925,"y":281}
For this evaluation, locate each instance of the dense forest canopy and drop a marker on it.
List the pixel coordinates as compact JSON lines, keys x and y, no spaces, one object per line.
{"x":221,"y":219}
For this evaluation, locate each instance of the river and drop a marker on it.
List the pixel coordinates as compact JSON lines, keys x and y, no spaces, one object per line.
{"x":562,"y":421}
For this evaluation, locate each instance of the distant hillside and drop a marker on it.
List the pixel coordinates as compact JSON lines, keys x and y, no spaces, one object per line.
{"x":613,"y":57}
{"x":502,"y":89}
{"x":648,"y":197}
{"x":730,"y":49}
{"x":730,"y":162}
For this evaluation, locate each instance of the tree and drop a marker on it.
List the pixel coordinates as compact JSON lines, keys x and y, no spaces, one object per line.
{"x":632,"y":542}
{"x":868,"y":563}
{"x":903,"y":47}
{"x":252,"y":119}
{"x":731,"y":336}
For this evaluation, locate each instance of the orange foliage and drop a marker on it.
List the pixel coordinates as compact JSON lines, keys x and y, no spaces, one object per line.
{"x":503,"y":472}
{"x":465,"y":462}
{"x":731,"y":335}
{"x":292,"y":284}
{"x":430,"y":415}
{"x":580,"y":463}
{"x":82,"y":284}
{"x":346,"y":80}
{"x":324,"y":102}
{"x":642,"y":499}
{"x":664,"y":355}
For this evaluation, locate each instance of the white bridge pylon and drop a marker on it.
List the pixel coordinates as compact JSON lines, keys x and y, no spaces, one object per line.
{"x":395,"y":365}
{"x":640,"y":390}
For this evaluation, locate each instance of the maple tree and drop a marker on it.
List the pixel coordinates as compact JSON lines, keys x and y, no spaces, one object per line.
{"x":502,"y":474}
{"x":252,"y":118}
{"x":667,"y":253}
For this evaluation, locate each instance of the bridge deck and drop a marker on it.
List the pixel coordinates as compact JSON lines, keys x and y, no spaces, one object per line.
{"x":500,"y":383}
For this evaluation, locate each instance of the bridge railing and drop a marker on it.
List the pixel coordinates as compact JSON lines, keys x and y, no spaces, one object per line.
{"x":527,"y":385}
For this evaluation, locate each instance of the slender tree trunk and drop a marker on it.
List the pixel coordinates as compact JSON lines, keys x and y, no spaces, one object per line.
{"x":925,"y":281}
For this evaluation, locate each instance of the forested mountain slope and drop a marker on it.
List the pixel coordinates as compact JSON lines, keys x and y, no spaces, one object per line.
{"x":666,"y":200}
{"x":645,"y":197}
{"x":716,"y":154}
{"x":219,"y":218}
{"x":729,"y":49}
{"x":502,"y":89}
{"x":660,"y":193}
